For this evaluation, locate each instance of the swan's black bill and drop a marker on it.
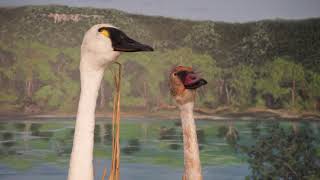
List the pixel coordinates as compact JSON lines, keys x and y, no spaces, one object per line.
{"x":130,"y":45}
{"x":121,"y":42}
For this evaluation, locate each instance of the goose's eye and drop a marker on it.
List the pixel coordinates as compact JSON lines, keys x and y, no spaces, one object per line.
{"x":174,"y":74}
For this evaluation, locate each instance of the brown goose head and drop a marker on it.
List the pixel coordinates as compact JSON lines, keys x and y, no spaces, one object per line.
{"x":183,"y":83}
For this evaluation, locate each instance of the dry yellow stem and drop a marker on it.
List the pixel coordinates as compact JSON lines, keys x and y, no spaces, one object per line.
{"x":115,"y":161}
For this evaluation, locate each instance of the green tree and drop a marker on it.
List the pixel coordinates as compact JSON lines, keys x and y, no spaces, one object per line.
{"x":281,"y":78}
{"x":254,"y":49}
{"x":241,"y":84}
{"x":203,"y":36}
{"x":313,"y":90}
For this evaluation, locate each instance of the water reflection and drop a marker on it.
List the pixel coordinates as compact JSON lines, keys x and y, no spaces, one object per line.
{"x":201,"y":136}
{"x":35,"y":129}
{"x":230,"y":133}
{"x":133,"y":145}
{"x":168,"y":133}
{"x":103,"y":133}
{"x":272,"y":150}
{"x":2,"y":126}
{"x":255,"y":130}
{"x":8,"y":143}
{"x":20,"y":126}
{"x":177,"y":123}
{"x":97,"y":133}
{"x":173,"y":135}
{"x":63,"y":148}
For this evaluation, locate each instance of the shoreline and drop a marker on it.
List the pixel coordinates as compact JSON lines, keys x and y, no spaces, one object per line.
{"x":173,"y":114}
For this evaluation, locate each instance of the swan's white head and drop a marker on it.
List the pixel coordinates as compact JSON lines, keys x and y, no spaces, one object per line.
{"x":102,"y":44}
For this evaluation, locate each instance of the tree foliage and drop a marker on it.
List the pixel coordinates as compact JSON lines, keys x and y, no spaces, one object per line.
{"x":265,"y":63}
{"x":283,"y":154}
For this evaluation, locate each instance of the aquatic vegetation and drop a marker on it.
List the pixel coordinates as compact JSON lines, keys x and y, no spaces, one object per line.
{"x":284,"y":153}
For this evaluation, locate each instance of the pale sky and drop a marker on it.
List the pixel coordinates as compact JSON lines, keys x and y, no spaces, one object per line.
{"x":216,"y":10}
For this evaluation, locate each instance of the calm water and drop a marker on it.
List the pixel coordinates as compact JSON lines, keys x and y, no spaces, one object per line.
{"x":153,"y":149}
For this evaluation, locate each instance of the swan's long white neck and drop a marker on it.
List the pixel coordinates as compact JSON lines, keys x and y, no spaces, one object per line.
{"x":81,"y":163}
{"x":192,"y":165}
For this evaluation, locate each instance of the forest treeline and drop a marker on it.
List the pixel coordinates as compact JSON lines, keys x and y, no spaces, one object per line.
{"x":271,"y":63}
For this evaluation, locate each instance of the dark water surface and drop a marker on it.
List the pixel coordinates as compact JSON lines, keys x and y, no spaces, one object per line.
{"x":153,"y":149}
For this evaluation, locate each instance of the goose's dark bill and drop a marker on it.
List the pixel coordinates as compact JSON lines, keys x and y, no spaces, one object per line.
{"x":121,"y":42}
{"x":191,"y":80}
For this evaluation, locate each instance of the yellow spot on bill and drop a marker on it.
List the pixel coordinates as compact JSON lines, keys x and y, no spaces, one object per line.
{"x":105,"y":33}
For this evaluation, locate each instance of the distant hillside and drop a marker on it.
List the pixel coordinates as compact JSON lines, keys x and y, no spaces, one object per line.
{"x":62,"y":26}
{"x":39,"y":56}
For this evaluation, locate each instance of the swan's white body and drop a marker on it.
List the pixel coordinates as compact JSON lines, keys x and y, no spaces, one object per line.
{"x":96,"y":54}
{"x":101,"y":45}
